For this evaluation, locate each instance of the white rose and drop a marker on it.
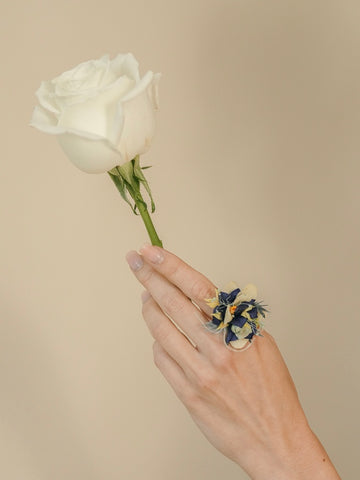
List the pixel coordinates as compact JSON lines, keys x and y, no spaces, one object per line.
{"x":102,"y":112}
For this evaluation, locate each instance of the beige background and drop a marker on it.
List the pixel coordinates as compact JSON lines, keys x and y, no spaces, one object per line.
{"x":256,"y":174}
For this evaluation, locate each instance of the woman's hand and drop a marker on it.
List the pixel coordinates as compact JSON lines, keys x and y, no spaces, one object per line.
{"x":245,"y":403}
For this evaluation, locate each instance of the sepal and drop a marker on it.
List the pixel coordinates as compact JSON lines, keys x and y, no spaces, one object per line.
{"x":121,"y":186}
{"x":128,"y":178}
{"x":141,"y":178}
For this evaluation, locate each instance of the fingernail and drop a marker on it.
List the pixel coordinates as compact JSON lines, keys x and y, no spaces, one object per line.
{"x":134,"y":260}
{"x":152,"y":253}
{"x":145,"y":296}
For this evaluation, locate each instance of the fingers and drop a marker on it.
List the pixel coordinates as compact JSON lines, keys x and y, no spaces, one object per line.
{"x":171,"y":301}
{"x":194,"y":285}
{"x":172,"y":372}
{"x":167,"y":334}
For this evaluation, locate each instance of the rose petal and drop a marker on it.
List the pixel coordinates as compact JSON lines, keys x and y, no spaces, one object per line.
{"x":96,"y":115}
{"x":91,"y":156}
{"x":45,"y":121}
{"x":154,"y":91}
{"x":83,"y":79}
{"x":105,"y":58}
{"x":116,"y":125}
{"x":140,"y":87}
{"x":45,"y":95}
{"x":126,"y":64}
{"x":108,"y":77}
{"x":139,"y":127}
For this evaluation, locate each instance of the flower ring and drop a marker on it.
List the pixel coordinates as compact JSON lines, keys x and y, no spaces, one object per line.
{"x":238,"y":314}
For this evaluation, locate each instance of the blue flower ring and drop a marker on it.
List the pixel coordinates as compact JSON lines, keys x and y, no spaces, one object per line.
{"x":236,"y":313}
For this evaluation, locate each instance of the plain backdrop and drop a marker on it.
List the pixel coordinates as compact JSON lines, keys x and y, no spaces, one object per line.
{"x":256,"y":179}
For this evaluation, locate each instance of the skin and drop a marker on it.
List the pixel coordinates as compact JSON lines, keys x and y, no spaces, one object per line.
{"x":245,"y":403}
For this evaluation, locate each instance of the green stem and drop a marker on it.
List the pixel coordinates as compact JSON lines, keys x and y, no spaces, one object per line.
{"x":141,"y":205}
{"x":155,"y":240}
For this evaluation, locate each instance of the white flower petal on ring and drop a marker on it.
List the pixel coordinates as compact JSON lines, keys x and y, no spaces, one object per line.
{"x":248,"y":293}
{"x":238,"y":344}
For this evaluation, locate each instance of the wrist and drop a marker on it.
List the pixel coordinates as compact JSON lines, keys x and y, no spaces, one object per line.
{"x":308,"y":459}
{"x":295,"y":455}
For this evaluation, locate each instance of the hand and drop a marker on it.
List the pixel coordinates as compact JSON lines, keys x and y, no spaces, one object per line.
{"x":245,"y":403}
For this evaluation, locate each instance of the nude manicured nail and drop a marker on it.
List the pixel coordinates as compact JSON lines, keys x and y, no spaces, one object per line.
{"x":134,"y":260}
{"x":152,"y":253}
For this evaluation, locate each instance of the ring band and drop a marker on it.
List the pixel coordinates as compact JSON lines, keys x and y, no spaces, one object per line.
{"x":238,"y":314}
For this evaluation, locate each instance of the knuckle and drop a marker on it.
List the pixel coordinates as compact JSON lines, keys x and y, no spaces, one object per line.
{"x":201,"y":289}
{"x":207,"y":380}
{"x":157,"y":362}
{"x":161,"y":333}
{"x":222,"y":359}
{"x":173,"y":304}
{"x":269,"y":336}
{"x":145,"y":308}
{"x":146,"y":276}
{"x":149,"y":310}
{"x":173,"y":269}
{"x":191,"y":399}
{"x":157,"y":355}
{"x":156,"y":348}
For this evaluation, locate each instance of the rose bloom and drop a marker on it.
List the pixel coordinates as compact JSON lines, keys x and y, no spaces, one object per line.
{"x":102,"y":112}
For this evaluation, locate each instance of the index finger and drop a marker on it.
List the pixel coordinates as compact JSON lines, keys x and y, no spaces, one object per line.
{"x":192,"y":283}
